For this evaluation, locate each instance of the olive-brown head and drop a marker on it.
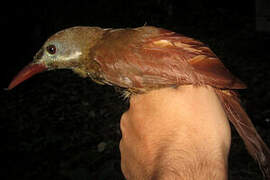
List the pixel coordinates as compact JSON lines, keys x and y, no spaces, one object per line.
{"x":64,"y":50}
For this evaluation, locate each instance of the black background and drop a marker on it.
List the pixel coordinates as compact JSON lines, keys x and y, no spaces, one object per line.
{"x":55,"y":124}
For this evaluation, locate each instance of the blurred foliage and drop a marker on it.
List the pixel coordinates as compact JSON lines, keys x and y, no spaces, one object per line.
{"x":59,"y":126}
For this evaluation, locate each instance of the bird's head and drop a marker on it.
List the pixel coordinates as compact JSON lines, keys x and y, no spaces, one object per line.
{"x":64,"y":50}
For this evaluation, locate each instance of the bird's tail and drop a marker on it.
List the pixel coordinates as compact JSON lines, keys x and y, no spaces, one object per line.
{"x":239,"y":118}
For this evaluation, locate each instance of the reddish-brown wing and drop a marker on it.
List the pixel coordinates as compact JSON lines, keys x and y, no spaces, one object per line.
{"x":149,"y":57}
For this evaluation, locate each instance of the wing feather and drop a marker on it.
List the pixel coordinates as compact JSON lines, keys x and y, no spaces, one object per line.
{"x":149,"y":57}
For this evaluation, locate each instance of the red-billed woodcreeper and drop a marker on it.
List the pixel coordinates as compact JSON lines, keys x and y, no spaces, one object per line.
{"x":143,"y":59}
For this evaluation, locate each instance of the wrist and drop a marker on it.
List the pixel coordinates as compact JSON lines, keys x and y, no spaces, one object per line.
{"x":191,"y":160}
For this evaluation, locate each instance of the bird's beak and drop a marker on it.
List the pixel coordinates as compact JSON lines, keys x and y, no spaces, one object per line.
{"x":27,"y":72}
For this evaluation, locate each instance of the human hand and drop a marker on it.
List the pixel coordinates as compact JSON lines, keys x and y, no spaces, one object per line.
{"x":175,"y":133}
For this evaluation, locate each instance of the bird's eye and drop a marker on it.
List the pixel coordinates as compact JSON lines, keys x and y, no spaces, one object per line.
{"x":51,"y":49}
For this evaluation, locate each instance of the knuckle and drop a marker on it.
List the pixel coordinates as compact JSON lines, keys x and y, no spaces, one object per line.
{"x":122,"y":121}
{"x":121,"y":146}
{"x":124,"y":168}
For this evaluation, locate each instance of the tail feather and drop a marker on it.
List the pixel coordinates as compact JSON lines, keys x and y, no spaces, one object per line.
{"x":239,"y":118}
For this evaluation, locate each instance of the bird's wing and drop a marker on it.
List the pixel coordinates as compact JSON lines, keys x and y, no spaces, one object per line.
{"x":150,"y":57}
{"x":206,"y":66}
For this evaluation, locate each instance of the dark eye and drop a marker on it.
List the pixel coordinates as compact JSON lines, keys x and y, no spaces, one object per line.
{"x":51,"y":49}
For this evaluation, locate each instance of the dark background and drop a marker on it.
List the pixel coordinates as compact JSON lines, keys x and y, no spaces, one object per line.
{"x":57,"y":125}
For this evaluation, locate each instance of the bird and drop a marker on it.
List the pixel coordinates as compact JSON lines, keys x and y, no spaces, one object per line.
{"x":146,"y":58}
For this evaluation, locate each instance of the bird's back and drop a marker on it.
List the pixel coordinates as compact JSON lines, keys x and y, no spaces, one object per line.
{"x":147,"y":58}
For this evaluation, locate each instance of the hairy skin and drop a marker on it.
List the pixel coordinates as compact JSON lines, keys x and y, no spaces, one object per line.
{"x":178,"y":133}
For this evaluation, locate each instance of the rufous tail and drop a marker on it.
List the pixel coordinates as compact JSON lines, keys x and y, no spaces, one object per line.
{"x":239,"y":118}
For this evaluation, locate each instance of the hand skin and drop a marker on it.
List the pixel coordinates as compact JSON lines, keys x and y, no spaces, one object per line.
{"x":175,"y":133}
